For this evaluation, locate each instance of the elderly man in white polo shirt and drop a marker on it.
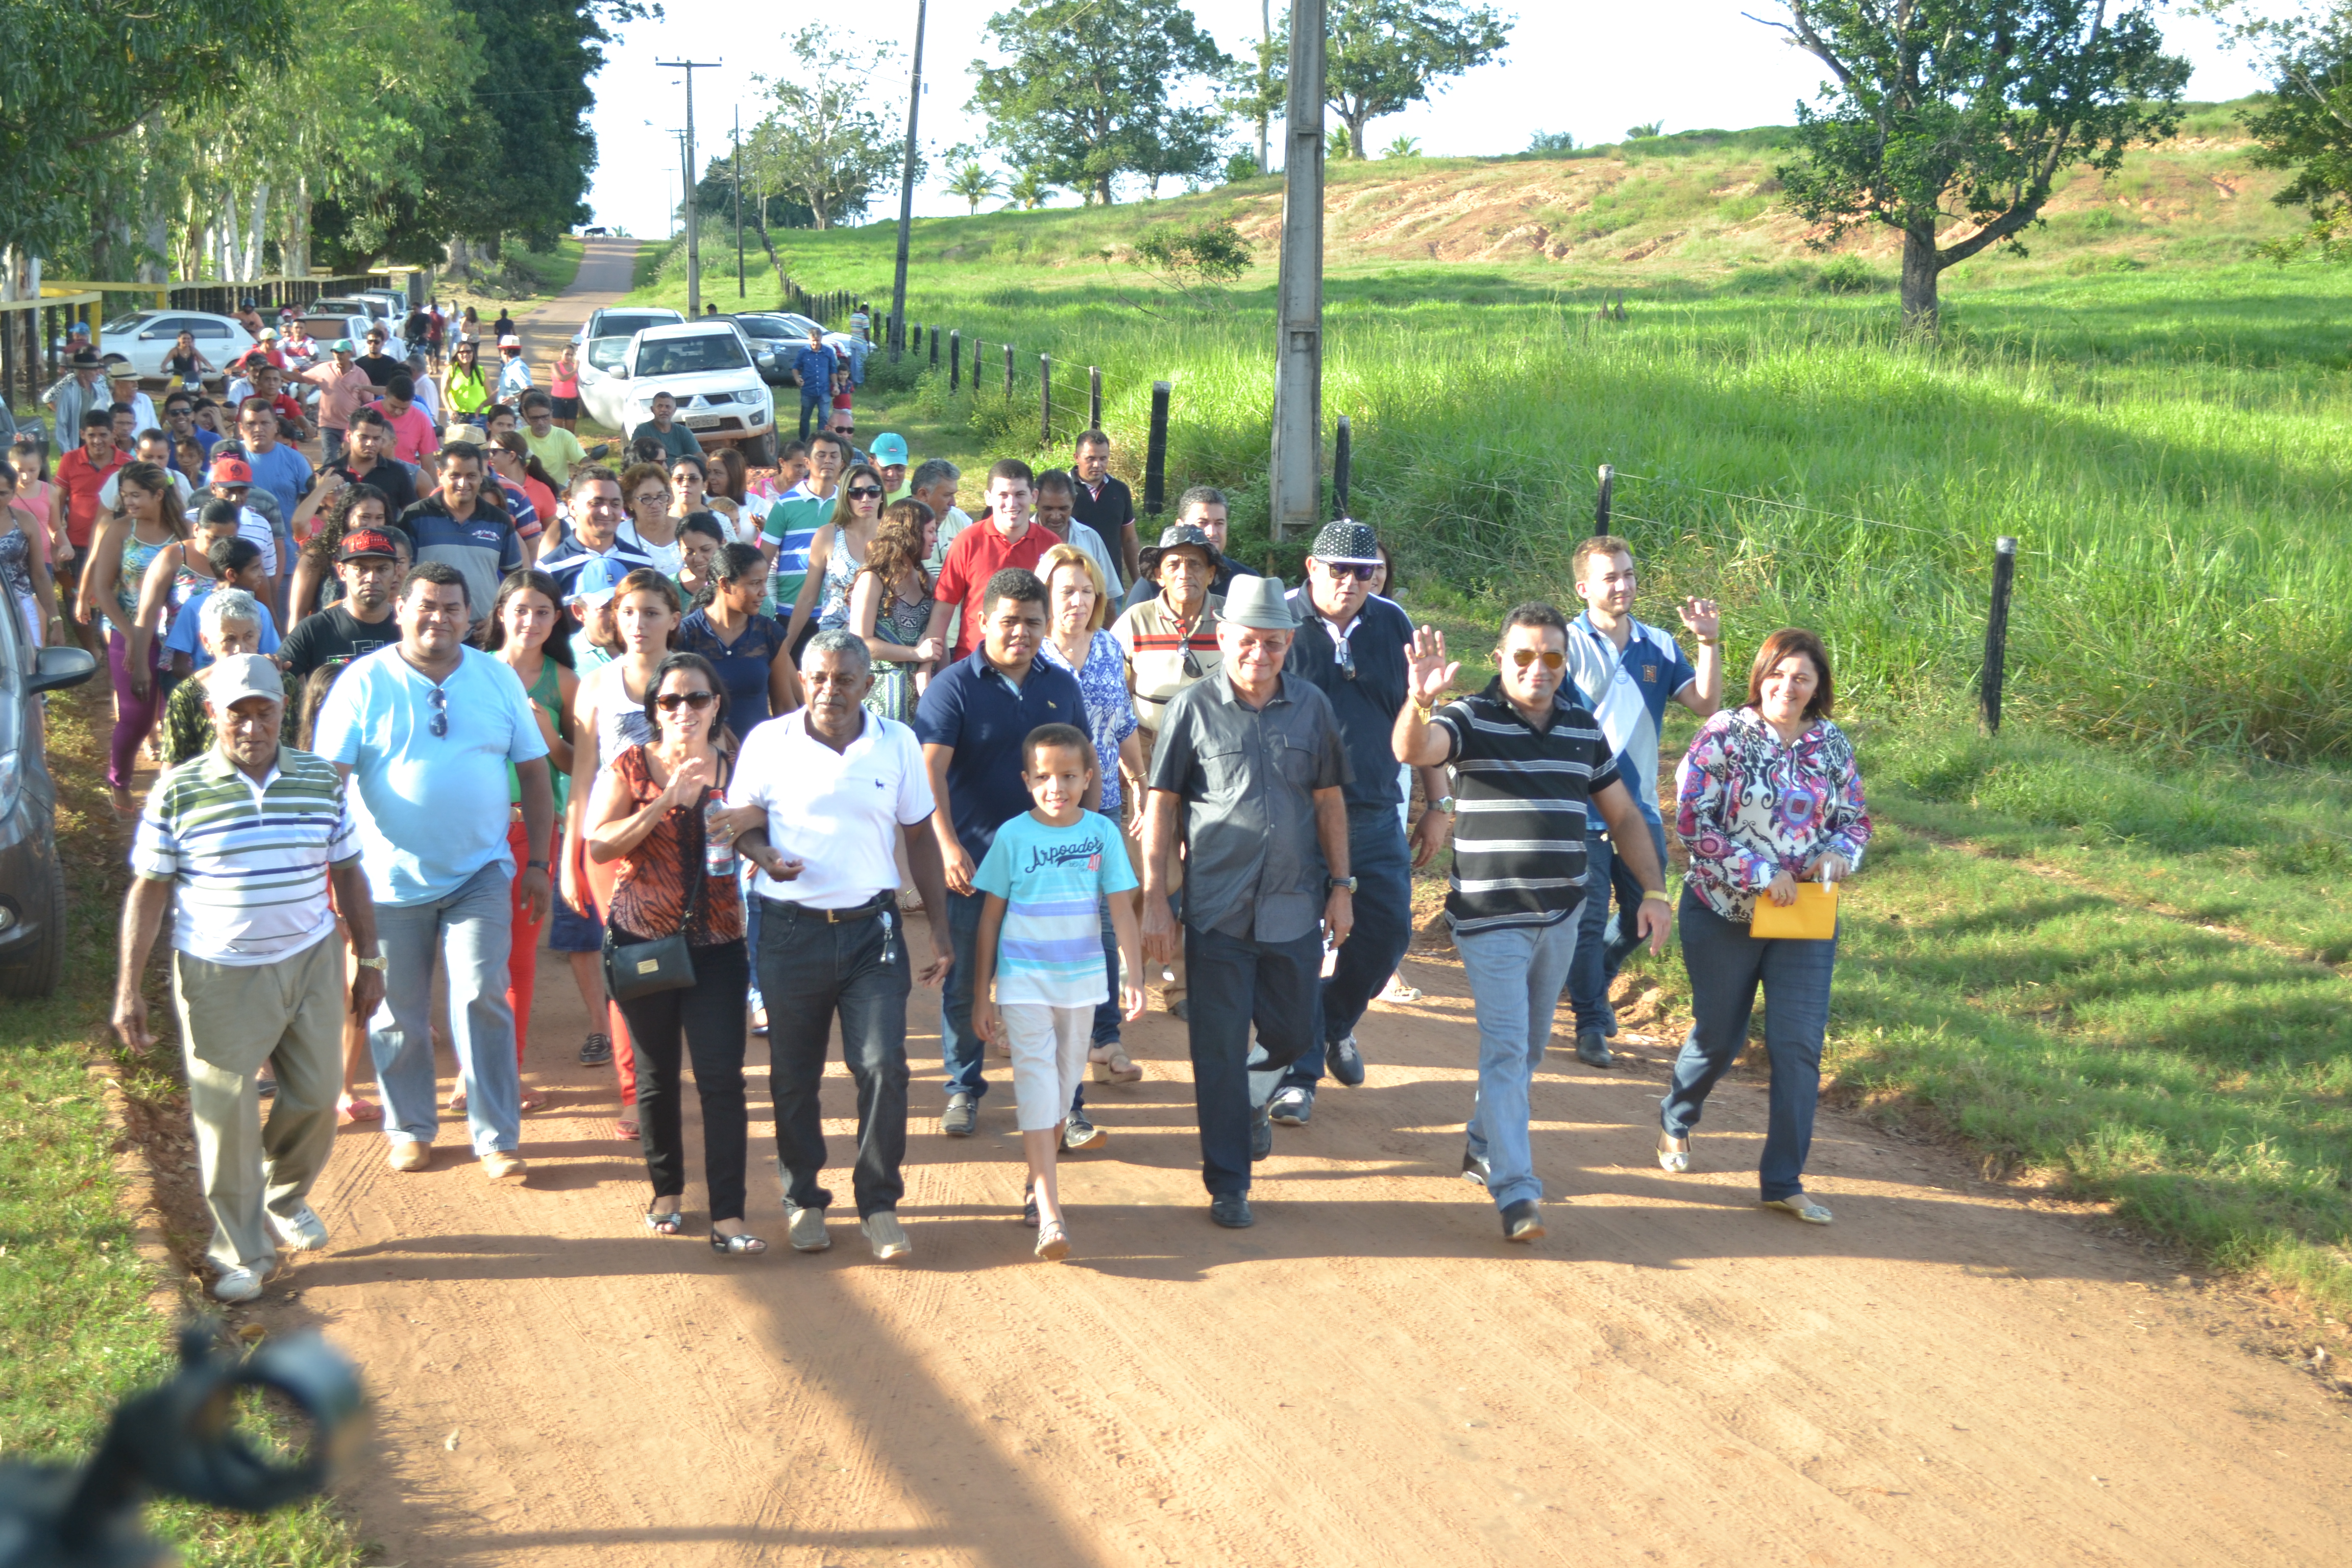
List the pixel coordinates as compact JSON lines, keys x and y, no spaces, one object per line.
{"x":242,"y":842}
{"x":823,"y":794}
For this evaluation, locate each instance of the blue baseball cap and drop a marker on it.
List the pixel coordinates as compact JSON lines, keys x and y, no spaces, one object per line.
{"x":598,"y":581}
{"x":888,"y":449}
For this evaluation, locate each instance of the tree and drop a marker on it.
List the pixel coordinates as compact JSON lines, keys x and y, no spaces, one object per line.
{"x":974,"y":183}
{"x":832,"y":148}
{"x":1966,"y":110}
{"x":1257,"y":90}
{"x":1381,"y":54}
{"x":1029,"y":191}
{"x":76,"y":76}
{"x":1079,"y":105}
{"x":2305,"y":125}
{"x":1403,"y":147}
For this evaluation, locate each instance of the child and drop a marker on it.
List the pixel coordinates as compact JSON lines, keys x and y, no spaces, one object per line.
{"x":1046,"y":876}
{"x":237,"y":564}
{"x":845,"y":416}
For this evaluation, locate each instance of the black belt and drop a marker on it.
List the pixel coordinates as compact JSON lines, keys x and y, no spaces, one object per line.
{"x":864,"y":912}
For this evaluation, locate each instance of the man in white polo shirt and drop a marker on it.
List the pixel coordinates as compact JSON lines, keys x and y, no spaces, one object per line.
{"x":824,"y":795}
{"x":242,"y":842}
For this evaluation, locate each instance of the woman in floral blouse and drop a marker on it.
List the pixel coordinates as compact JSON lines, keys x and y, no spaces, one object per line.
{"x":1767,"y":795}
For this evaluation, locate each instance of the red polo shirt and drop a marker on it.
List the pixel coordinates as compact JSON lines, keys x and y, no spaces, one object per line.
{"x":979,"y":554}
{"x":83,"y":480}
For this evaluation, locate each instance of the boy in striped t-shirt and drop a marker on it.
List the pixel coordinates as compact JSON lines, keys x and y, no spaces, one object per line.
{"x":1528,"y":765}
{"x":1039,"y":939}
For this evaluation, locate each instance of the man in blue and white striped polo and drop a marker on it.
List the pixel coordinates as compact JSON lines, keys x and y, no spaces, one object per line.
{"x":241,"y":843}
{"x":1529,"y":766}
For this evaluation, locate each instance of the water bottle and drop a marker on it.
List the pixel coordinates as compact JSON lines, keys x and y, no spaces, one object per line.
{"x":717,"y":840}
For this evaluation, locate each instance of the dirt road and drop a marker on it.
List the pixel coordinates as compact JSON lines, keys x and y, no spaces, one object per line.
{"x":1949,"y":1375}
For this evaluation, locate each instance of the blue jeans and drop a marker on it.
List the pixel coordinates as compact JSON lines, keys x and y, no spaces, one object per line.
{"x":1515,"y":976}
{"x":1725,"y":965}
{"x":816,"y":401}
{"x":1378,"y":854}
{"x":811,"y":970}
{"x":960,"y":1051}
{"x":1600,"y":955}
{"x":1236,"y":983}
{"x":468,"y":930}
{"x":1107,"y":1015}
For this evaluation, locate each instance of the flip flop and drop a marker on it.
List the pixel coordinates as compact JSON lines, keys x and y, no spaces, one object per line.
{"x":349,"y":1110}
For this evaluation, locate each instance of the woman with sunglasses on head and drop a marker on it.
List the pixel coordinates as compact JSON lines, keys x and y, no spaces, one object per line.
{"x":838,"y":553}
{"x":150,"y":520}
{"x":649,"y":820}
{"x":890,"y":606}
{"x":609,"y":715}
{"x":1767,"y":796}
{"x":645,"y":491}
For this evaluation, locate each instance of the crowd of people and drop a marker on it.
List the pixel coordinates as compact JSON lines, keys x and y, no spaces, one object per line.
{"x":715,"y":736}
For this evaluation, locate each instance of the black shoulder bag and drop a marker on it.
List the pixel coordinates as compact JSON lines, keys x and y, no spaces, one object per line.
{"x":635,"y":969}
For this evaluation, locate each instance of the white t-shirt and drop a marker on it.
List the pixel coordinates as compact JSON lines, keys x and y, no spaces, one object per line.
{"x":838,"y":812}
{"x":668,"y":559}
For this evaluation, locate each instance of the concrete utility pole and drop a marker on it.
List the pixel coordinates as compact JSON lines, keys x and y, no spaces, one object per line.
{"x":735,"y":166}
{"x":906,"y":192}
{"x":693,"y":217}
{"x":1296,"y":489}
{"x":1265,"y":38}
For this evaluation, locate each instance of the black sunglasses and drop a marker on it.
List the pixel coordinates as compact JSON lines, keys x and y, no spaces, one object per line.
{"x":1351,"y":568}
{"x":1192,"y":666}
{"x":864,"y":493}
{"x":671,"y":701}
{"x":438,"y":700}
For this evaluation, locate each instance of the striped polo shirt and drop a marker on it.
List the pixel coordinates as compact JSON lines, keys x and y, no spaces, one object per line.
{"x":1154,"y":643}
{"x":1519,"y":801}
{"x":247,"y":860}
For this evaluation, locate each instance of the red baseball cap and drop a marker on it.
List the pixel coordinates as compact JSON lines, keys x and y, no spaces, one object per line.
{"x":367,"y":542}
{"x":232,"y":471}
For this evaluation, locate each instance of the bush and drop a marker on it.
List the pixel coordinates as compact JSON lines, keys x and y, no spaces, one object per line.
{"x":1847,"y":275}
{"x":1241,"y":165}
{"x":1553,"y":143}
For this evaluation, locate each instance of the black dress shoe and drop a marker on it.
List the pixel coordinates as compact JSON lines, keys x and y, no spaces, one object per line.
{"x":1522,"y":1221}
{"x":1345,"y":1061}
{"x":1592,"y":1050}
{"x":1262,"y":1131}
{"x":1232,"y":1210}
{"x":1474,"y":1167}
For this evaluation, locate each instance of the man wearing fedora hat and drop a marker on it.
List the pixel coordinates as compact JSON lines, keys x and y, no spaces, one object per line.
{"x":82,"y":390}
{"x":1352,"y":645}
{"x":1249,"y":771}
{"x":122,"y":387}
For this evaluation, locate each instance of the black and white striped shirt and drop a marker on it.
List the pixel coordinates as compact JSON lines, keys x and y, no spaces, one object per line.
{"x":1520,"y":801}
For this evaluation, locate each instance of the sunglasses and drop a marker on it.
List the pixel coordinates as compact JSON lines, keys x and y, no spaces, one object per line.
{"x":1193,"y":670}
{"x":671,"y":701}
{"x":1524,"y":656}
{"x":865,"y":492}
{"x":1344,"y":657}
{"x":438,"y":700}
{"x":1351,"y":568}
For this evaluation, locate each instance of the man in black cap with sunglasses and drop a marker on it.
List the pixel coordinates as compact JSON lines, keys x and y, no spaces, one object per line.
{"x":1352,"y":643}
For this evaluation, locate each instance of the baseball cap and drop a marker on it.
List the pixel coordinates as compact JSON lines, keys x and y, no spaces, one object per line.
{"x":888,"y":449}
{"x":598,"y":581}
{"x":240,"y":675}
{"x":232,"y":471}
{"x":268,"y":332}
{"x":1347,"y":542}
{"x":365,"y":541}
{"x":341,"y":346}
{"x":78,"y":330}
{"x":511,"y":342}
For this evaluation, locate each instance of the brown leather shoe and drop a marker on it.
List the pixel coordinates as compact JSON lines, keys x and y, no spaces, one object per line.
{"x":503,"y":1165}
{"x":408,"y":1155}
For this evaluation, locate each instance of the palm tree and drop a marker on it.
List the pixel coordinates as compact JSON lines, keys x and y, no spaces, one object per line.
{"x":1030,"y":192}
{"x":974,"y":183}
{"x":1403,"y":147}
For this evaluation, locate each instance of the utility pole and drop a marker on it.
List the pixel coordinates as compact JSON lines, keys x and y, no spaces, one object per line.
{"x":907,"y":190}
{"x":1266,"y":42}
{"x":693,"y":216}
{"x":1296,"y":478}
{"x":735,"y":163}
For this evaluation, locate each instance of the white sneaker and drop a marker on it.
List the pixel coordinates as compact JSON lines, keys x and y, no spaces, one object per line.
{"x":888,"y":1236}
{"x":303,"y":1231}
{"x":807,"y":1232}
{"x":237,"y":1285}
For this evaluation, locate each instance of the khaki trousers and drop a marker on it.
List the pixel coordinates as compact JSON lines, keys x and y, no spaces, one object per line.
{"x":289,"y":1013}
{"x":1173,"y":991}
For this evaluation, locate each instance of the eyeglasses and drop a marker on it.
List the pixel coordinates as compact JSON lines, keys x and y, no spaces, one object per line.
{"x":1524,"y":656}
{"x":865,"y":492}
{"x":671,"y":701}
{"x":1351,"y":568}
{"x":1193,"y":670}
{"x":438,"y":700}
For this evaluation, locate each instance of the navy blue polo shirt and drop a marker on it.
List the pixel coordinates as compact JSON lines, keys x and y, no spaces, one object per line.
{"x":972,"y":706}
{"x":1367,"y":706}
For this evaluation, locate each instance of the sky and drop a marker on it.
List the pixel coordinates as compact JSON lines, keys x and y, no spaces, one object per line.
{"x":1591,"y":69}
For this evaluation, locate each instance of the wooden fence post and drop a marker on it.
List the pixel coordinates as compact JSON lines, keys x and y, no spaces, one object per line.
{"x":1340,"y":457}
{"x":1996,"y":650}
{"x":935,"y":346}
{"x":955,"y":359}
{"x":1044,"y":402}
{"x":1008,"y":370}
{"x":1155,"y":455}
{"x":1600,"y":509}
{"x":1094,"y":397}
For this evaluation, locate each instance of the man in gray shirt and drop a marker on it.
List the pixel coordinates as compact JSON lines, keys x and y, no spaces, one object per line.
{"x":1249,"y":766}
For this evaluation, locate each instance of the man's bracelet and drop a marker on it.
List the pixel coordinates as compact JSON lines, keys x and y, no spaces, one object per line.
{"x":534,"y":865}
{"x":1649,"y":893}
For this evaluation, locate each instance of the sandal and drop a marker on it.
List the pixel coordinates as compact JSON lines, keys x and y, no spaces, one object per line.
{"x":1053,"y":1242}
{"x":351,"y":1108}
{"x":1113,"y":1065}
{"x":743,"y":1245}
{"x":625,"y":1128}
{"x":530,"y":1101}
{"x":1674,"y":1153}
{"x":665,"y":1222}
{"x":1029,"y":1207}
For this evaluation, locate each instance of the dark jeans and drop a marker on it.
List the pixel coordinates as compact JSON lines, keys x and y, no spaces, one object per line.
{"x":1107,"y":1014}
{"x":1236,"y":983}
{"x":819,"y":401}
{"x":960,"y":1051}
{"x":1383,"y":862}
{"x":1598,"y":955}
{"x":1725,"y":965}
{"x":811,"y":969}
{"x":708,"y":1014}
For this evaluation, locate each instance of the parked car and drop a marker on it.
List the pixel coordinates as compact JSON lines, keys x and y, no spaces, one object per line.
{"x":777,"y":338}
{"x":360,"y":312}
{"x":623,"y":321}
{"x":144,"y":337}
{"x":32,"y":884}
{"x":703,"y":364}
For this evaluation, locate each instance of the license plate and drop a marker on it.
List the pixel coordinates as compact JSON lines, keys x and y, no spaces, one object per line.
{"x":702,"y":421}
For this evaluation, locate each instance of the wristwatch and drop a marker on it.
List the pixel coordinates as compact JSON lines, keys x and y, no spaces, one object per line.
{"x":1445,"y":805}
{"x":1334,"y":884}
{"x":376,"y":964}
{"x":534,"y":865}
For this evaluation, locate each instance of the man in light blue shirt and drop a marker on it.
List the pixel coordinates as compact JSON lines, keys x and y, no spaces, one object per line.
{"x":1626,"y":672}
{"x":424,"y":732}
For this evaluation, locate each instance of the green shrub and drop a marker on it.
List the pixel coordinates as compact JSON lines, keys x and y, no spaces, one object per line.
{"x":1847,"y":275}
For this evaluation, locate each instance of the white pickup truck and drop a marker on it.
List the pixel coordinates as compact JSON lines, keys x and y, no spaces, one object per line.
{"x":705,"y":365}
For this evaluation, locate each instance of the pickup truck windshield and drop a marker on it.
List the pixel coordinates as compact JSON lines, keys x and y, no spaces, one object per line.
{"x":685,"y":356}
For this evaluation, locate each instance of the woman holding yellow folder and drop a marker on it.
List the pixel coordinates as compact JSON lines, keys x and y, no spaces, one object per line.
{"x":1769,"y":803}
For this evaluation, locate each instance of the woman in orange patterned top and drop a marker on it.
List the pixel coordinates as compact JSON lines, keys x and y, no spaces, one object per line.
{"x":650,"y":812}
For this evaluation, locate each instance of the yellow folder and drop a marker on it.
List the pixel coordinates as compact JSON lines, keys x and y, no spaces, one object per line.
{"x":1813,"y":917}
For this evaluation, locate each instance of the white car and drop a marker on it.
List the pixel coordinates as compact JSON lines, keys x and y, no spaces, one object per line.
{"x":705,"y":365}
{"x":624,"y":321}
{"x":144,"y":337}
{"x":360,"y":312}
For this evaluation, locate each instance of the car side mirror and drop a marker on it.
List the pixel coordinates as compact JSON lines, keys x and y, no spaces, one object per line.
{"x":621,"y":372}
{"x":55,"y":669}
